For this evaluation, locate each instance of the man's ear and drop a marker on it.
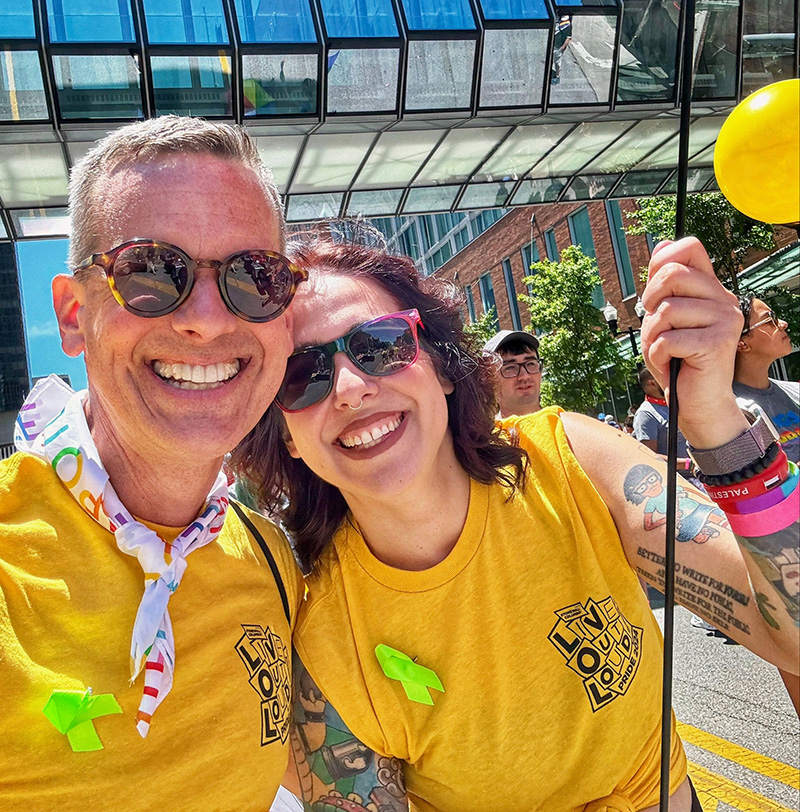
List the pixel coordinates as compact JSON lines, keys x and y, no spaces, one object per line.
{"x":68,"y":300}
{"x":742,"y":346}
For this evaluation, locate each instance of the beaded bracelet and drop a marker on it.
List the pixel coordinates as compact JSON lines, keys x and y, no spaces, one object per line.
{"x":760,"y":483}
{"x":754,"y":468}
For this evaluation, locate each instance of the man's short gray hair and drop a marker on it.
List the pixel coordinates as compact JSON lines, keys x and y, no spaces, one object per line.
{"x":147,"y":141}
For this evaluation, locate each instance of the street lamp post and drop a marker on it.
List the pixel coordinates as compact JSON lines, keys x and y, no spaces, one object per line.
{"x":610,"y":314}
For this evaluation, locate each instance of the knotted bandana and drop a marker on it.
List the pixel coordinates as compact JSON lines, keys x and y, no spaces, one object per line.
{"x":52,"y":425}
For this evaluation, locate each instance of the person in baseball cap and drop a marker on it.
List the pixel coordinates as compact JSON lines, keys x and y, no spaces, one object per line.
{"x":520,"y":376}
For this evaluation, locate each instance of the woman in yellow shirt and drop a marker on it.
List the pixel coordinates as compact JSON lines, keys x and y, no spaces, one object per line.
{"x":473,"y":612}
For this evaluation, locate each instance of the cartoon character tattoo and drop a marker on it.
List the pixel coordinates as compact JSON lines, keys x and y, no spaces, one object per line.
{"x":335,"y":770}
{"x":695,"y":521}
{"x":778,"y":558}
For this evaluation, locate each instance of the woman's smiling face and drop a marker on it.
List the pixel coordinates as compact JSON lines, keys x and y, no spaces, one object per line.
{"x":399,"y":434}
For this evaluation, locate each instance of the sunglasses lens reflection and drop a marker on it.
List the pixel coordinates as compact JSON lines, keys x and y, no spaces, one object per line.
{"x":307,"y":381}
{"x":381,"y":348}
{"x":150,"y":278}
{"x":259,"y":286}
{"x":384,"y":348}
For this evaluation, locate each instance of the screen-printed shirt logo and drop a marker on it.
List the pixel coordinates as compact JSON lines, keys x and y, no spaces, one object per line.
{"x":601,"y":646}
{"x":266,"y":659}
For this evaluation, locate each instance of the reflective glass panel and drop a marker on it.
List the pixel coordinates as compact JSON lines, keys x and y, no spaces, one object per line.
{"x":629,"y":149}
{"x":521,"y":150}
{"x":768,"y":42}
{"x":514,"y":9}
{"x":636,"y":184}
{"x":304,"y":208}
{"x":696,"y":179}
{"x":396,"y":158}
{"x":648,"y":50}
{"x":590,"y":187}
{"x":330,"y":161}
{"x":32,"y":175}
{"x":279,"y":84}
{"x":359,"y":18}
{"x":363,"y":80}
{"x":192,"y":85}
{"x":16,"y":20}
{"x":275,"y":21}
{"x":21,"y":87}
{"x":486,"y":195}
{"x":98,"y":86}
{"x":431,"y":198}
{"x":3,"y":232}
{"x":544,"y":190}
{"x":78,"y":149}
{"x":514,"y":64}
{"x":438,"y":15}
{"x":279,"y":153}
{"x":185,"y":21}
{"x":702,"y":132}
{"x":90,"y":21}
{"x":41,"y":223}
{"x":583,"y":55}
{"x":703,"y":158}
{"x":459,"y":154}
{"x":439,"y":74}
{"x":374,"y":202}
{"x":716,"y":27}
{"x":579,"y":147}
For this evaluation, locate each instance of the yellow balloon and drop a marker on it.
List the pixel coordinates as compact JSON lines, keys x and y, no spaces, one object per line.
{"x":757,"y":155}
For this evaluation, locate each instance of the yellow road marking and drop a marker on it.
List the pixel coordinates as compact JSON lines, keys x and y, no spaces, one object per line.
{"x":713,"y":789}
{"x":758,"y":763}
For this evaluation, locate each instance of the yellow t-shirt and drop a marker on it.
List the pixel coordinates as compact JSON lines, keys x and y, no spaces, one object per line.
{"x":68,"y":599}
{"x":540,"y":633}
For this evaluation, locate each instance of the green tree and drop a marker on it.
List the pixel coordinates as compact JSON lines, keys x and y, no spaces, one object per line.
{"x":577,"y":348}
{"x":481,"y":330}
{"x":725,"y":232}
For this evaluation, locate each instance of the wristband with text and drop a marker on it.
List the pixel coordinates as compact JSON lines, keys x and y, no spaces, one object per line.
{"x":758,"y":483}
{"x":766,"y":500}
{"x":766,"y":522}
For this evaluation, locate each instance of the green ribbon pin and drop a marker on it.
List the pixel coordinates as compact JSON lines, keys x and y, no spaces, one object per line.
{"x":415,"y":678}
{"x":72,"y":713}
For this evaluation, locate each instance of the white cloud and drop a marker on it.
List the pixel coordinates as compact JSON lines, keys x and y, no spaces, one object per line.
{"x":43,"y":329}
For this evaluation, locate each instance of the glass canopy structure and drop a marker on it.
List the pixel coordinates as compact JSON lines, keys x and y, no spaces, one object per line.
{"x":385,"y":107}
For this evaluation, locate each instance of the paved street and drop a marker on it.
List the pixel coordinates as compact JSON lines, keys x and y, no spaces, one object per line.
{"x":741,"y":732}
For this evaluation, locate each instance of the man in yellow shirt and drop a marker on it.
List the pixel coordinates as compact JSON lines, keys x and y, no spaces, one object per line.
{"x":144,"y":622}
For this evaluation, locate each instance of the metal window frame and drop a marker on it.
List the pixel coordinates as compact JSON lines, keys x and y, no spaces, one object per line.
{"x":618,"y":256}
{"x":511,"y":293}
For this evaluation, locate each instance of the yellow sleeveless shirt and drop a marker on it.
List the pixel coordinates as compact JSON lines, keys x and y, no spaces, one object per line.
{"x":68,"y":599}
{"x":540,"y":633}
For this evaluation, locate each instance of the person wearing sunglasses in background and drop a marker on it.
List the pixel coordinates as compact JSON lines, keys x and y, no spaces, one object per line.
{"x":519,"y":378}
{"x":144,"y":622}
{"x":763,"y":341}
{"x":475,"y":635}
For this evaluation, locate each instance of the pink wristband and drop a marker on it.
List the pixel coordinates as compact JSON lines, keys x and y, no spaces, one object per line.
{"x":765,"y":522}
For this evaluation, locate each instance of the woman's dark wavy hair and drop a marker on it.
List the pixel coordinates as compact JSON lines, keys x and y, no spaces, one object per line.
{"x":310,"y":508}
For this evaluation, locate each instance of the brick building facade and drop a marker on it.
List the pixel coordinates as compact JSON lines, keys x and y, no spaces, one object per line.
{"x":503,"y":252}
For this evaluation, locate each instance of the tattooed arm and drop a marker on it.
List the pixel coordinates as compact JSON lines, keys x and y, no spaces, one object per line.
{"x":748,"y":588}
{"x":329,"y":768}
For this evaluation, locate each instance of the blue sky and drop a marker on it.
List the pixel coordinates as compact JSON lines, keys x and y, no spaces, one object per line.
{"x":39,"y":261}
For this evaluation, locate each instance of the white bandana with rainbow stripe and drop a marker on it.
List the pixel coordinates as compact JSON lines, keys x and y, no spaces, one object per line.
{"x":52,"y":425}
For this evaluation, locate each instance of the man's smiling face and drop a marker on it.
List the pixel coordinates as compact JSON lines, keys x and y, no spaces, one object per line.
{"x":139,"y":368}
